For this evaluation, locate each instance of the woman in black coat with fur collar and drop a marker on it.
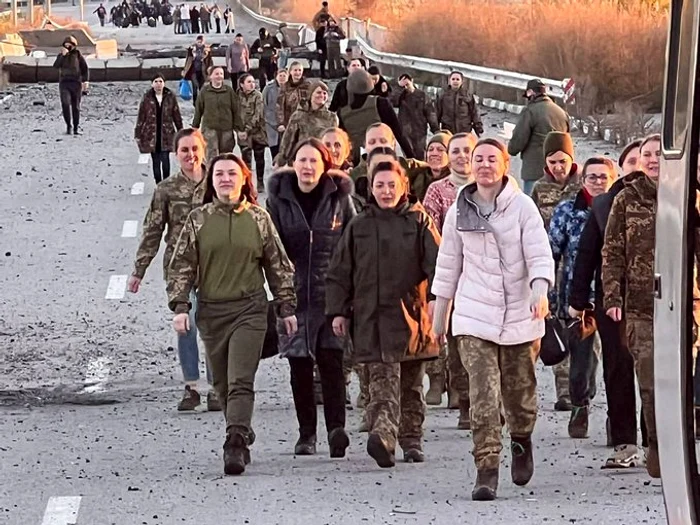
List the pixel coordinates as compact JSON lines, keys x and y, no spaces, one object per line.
{"x":311,"y":205}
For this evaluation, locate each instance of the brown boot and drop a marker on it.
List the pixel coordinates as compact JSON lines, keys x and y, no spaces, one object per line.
{"x":464,"y":421}
{"x":486,"y":485}
{"x":653,"y":466}
{"x":522,"y":467}
{"x":236,"y":455}
{"x":452,"y":398}
{"x":437,"y":388}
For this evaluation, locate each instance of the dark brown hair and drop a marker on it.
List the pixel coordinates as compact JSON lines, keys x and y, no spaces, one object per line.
{"x":248,"y":190}
{"x":598,"y":161}
{"x":188,"y":132}
{"x":315,"y":143}
{"x":242,"y":79}
{"x":463,"y":136}
{"x":394,"y":167}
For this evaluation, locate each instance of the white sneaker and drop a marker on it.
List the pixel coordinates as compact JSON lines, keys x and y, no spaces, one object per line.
{"x":625,"y":456}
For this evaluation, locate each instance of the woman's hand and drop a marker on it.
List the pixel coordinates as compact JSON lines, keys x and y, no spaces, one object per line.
{"x":340,"y":326}
{"x":615,"y":314}
{"x":181,"y":323}
{"x":290,"y":324}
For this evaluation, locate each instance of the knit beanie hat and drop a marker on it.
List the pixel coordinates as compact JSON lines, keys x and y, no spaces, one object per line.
{"x":360,"y":82}
{"x":558,"y":141}
{"x":70,"y":39}
{"x":441,"y":137}
{"x":632,"y":145}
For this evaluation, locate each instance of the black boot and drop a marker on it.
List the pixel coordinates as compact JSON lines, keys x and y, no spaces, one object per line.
{"x":338,"y":441}
{"x":522,"y":468}
{"x":69,"y":129}
{"x":76,"y":131}
{"x":486,"y":485}
{"x":236,"y":455}
{"x":378,"y":450}
{"x":306,"y":446}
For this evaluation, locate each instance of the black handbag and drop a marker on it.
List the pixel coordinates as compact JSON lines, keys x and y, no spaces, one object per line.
{"x":554,"y":346}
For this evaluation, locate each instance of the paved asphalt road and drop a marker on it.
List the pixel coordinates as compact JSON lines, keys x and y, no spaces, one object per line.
{"x":88,"y":385}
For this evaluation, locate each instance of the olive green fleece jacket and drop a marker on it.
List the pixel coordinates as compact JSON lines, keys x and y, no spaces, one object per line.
{"x":217,"y":108}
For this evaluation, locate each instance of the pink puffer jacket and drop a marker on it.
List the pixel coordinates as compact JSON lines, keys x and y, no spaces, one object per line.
{"x":487,"y":266}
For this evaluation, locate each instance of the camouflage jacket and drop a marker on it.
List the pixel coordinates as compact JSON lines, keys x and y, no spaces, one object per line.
{"x":457,"y":111}
{"x":547,"y":193}
{"x":304,"y":124}
{"x":173,"y":200}
{"x":146,"y":132}
{"x":628,"y":251}
{"x":184,"y":271}
{"x":250,"y":109}
{"x":289,"y":98}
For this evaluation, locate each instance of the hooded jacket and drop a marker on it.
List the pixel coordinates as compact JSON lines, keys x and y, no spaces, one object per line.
{"x":380,"y":278}
{"x":628,"y":252}
{"x":539,"y":117}
{"x":310,"y":246}
{"x":487,"y":266}
{"x":72,"y":67}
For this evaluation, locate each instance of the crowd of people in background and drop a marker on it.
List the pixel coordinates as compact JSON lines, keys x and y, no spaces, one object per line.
{"x":390,"y":265}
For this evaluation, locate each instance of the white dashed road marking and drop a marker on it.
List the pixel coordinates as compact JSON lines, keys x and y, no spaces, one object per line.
{"x":137,"y":188}
{"x":144,"y":158}
{"x":130,"y":228}
{"x":62,"y":511}
{"x":117,"y":287}
{"x":96,"y":375}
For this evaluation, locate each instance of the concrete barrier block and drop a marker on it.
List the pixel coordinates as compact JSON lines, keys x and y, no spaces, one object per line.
{"x":123,"y":69}
{"x":161,"y":66}
{"x":98,"y":69}
{"x":20,"y":69}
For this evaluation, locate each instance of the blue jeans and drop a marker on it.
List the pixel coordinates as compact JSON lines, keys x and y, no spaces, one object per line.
{"x":282,"y":59}
{"x":188,"y":350}
{"x":528,"y":185}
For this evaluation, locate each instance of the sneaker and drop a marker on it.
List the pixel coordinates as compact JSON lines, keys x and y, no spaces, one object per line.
{"x":338,"y":441}
{"x":653,"y":466}
{"x":522,"y":468}
{"x":563,"y":405}
{"x":624,"y":456}
{"x":578,"y":423}
{"x":380,"y":452}
{"x":306,"y":446}
{"x":413,"y":455}
{"x":213,"y":404}
{"x":236,"y":455}
{"x":486,"y":485}
{"x":190,"y":400}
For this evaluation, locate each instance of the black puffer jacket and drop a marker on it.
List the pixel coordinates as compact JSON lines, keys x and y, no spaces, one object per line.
{"x":310,"y":247}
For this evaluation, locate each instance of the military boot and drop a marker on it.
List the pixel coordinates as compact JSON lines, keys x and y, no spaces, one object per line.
{"x":380,"y":452}
{"x":464,"y":422}
{"x":236,"y":455}
{"x":486,"y":485}
{"x":437,"y":388}
{"x":305,"y":446}
{"x":338,"y":441}
{"x":578,"y":423}
{"x":522,"y":467}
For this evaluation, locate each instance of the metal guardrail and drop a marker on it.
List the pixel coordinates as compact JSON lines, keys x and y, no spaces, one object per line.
{"x":362,"y":31}
{"x":486,"y":75}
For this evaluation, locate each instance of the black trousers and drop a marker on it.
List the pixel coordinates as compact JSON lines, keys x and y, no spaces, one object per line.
{"x":274,"y":150}
{"x":330,"y":366}
{"x":618,"y":374}
{"x":161,"y":165}
{"x":71,"y":91}
{"x":257,"y":151}
{"x":198,"y":80}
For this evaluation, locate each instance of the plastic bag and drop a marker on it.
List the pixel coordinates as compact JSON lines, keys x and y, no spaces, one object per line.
{"x":185,"y":90}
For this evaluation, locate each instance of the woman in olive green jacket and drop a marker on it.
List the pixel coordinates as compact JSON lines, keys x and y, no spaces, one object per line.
{"x":379,"y":277}
{"x":222,"y":251}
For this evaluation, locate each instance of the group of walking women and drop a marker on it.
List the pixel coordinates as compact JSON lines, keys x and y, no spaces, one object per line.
{"x":373,"y":274}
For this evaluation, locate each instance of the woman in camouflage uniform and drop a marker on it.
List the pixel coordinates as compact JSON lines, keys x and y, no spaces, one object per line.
{"x":628,"y":278}
{"x":253,"y":139}
{"x":309,"y":121}
{"x":222,"y":251}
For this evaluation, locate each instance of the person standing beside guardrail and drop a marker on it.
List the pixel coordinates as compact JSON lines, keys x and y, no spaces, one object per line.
{"x":285,"y":46}
{"x":457,"y":111}
{"x":73,"y":76}
{"x":540,"y":116}
{"x":265,"y":48}
{"x":334,"y":34}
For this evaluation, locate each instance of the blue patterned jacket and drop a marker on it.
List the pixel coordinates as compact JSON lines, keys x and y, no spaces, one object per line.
{"x":568,"y":219}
